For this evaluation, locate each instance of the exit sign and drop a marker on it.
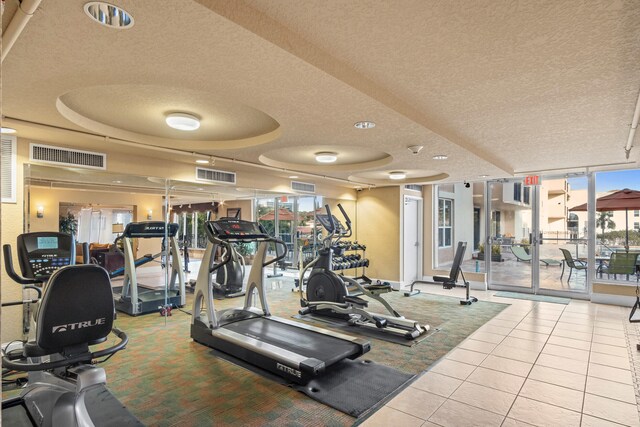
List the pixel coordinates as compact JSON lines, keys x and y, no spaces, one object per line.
{"x":532,"y":180}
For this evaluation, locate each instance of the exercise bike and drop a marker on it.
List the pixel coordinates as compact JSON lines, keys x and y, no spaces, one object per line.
{"x":64,"y":387}
{"x":328,"y":294}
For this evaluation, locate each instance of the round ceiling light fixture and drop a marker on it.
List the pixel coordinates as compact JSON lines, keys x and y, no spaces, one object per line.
{"x":440,"y":157}
{"x":365,"y":124}
{"x":7,"y":130}
{"x":397,"y":175}
{"x":108,"y":15}
{"x":183,"y":121}
{"x":326,"y":157}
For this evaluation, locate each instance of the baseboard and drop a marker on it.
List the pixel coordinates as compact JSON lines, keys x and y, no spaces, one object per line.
{"x":621,"y":300}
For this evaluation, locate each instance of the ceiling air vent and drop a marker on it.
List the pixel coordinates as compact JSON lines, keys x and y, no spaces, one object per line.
{"x":212,"y":175}
{"x":8,"y":168}
{"x":303,"y":187}
{"x":413,"y":187}
{"x":67,"y":157}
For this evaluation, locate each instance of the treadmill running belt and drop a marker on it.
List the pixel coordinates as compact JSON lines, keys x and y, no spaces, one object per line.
{"x":301,"y":341}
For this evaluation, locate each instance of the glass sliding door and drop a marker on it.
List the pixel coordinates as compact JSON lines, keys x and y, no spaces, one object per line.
{"x":509,"y":248}
{"x":564,"y":228}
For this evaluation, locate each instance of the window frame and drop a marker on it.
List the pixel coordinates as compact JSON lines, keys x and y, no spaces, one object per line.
{"x":442,"y":227}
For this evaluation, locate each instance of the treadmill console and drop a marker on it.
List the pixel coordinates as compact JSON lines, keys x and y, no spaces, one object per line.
{"x":41,"y":254}
{"x":149,"y":229}
{"x":235,"y":229}
{"x":324,"y":220}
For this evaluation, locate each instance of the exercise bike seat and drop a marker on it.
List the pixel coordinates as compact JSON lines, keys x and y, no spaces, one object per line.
{"x":356,"y":301}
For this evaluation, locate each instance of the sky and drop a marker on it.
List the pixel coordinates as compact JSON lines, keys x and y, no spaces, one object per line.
{"x":606,"y":181}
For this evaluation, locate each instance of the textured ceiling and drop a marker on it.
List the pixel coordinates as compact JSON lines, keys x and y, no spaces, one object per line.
{"x":501,"y":87}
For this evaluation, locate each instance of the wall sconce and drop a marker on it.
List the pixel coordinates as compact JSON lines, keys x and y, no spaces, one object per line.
{"x":40,"y":212}
{"x":149,"y":213}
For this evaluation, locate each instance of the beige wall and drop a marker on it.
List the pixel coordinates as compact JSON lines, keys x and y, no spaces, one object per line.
{"x":378,"y":227}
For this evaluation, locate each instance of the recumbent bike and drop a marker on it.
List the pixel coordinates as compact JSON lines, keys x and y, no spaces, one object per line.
{"x":64,"y":388}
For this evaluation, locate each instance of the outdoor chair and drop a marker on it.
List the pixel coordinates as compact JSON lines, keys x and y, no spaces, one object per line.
{"x":622,"y":263}
{"x":522,"y":255}
{"x":572,"y":263}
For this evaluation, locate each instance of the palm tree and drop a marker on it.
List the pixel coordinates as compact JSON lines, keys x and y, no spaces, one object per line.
{"x":604,"y":221}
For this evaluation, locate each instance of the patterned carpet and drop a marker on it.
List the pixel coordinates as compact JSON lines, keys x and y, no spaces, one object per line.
{"x":168,"y":380}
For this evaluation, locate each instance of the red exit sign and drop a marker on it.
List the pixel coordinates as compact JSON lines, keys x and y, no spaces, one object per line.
{"x":532,"y":180}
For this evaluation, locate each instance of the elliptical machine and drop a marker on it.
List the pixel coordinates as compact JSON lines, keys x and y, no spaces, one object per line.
{"x":328,"y":294}
{"x":64,"y":388}
{"x":230,"y":276}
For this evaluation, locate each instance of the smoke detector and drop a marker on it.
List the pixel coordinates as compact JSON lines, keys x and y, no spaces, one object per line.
{"x":415,"y":149}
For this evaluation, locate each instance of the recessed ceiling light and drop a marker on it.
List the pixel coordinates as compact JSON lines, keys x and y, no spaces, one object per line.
{"x":364,"y":125}
{"x":183,"y":121}
{"x":7,"y":130}
{"x":117,"y":181}
{"x":202,"y":161}
{"x":293,"y":176}
{"x":440,"y":157}
{"x":326,"y":157}
{"x":108,"y":15}
{"x":397,"y":175}
{"x":483,"y":176}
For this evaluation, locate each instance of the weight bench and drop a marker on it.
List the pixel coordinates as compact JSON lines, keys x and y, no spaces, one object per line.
{"x":450,"y":281}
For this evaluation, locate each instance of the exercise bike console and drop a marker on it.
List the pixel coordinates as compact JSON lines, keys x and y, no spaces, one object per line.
{"x":41,"y":254}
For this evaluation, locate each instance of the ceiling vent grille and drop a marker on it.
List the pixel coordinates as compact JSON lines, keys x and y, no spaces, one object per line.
{"x":413,"y":187}
{"x":8,"y":168}
{"x":212,"y":175}
{"x":67,"y":157}
{"x":303,"y":187}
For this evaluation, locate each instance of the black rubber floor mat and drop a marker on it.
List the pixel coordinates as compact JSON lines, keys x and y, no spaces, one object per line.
{"x":380,"y":334}
{"x":355,"y":386}
{"x":350,"y":386}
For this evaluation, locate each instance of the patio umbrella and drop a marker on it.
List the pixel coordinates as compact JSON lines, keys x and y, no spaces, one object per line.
{"x":621,"y":200}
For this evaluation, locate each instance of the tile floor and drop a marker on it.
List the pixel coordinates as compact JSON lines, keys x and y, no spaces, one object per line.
{"x":536,"y":363}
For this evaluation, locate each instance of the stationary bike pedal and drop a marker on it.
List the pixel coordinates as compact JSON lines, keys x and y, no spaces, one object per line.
{"x":380,"y":322}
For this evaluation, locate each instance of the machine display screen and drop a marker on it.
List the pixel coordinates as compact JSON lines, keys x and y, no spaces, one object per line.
{"x":235,"y":229}
{"x":47,"y":243}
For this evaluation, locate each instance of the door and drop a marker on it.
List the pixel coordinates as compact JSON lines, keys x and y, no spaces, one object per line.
{"x":412,"y":240}
{"x":509,"y":250}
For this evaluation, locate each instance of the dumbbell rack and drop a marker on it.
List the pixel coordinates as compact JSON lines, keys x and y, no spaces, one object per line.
{"x":361,"y":262}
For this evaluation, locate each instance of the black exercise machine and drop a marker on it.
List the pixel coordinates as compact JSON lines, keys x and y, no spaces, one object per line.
{"x":134,"y":299}
{"x":450,"y":281}
{"x":329,"y":294}
{"x":40,"y":254}
{"x":64,"y":387}
{"x":292,"y":350}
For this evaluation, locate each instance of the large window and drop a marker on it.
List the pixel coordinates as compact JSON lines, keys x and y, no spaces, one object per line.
{"x":517,"y":192}
{"x":445,"y":223}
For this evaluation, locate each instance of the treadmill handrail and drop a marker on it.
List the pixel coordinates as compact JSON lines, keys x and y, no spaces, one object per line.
{"x":8,"y":266}
{"x":45,"y":366}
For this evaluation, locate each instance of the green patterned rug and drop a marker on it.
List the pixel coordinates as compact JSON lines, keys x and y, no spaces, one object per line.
{"x":166,"y":379}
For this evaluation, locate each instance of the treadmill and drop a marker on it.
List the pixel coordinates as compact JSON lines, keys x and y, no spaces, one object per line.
{"x":292,"y":350}
{"x":132,"y":297}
